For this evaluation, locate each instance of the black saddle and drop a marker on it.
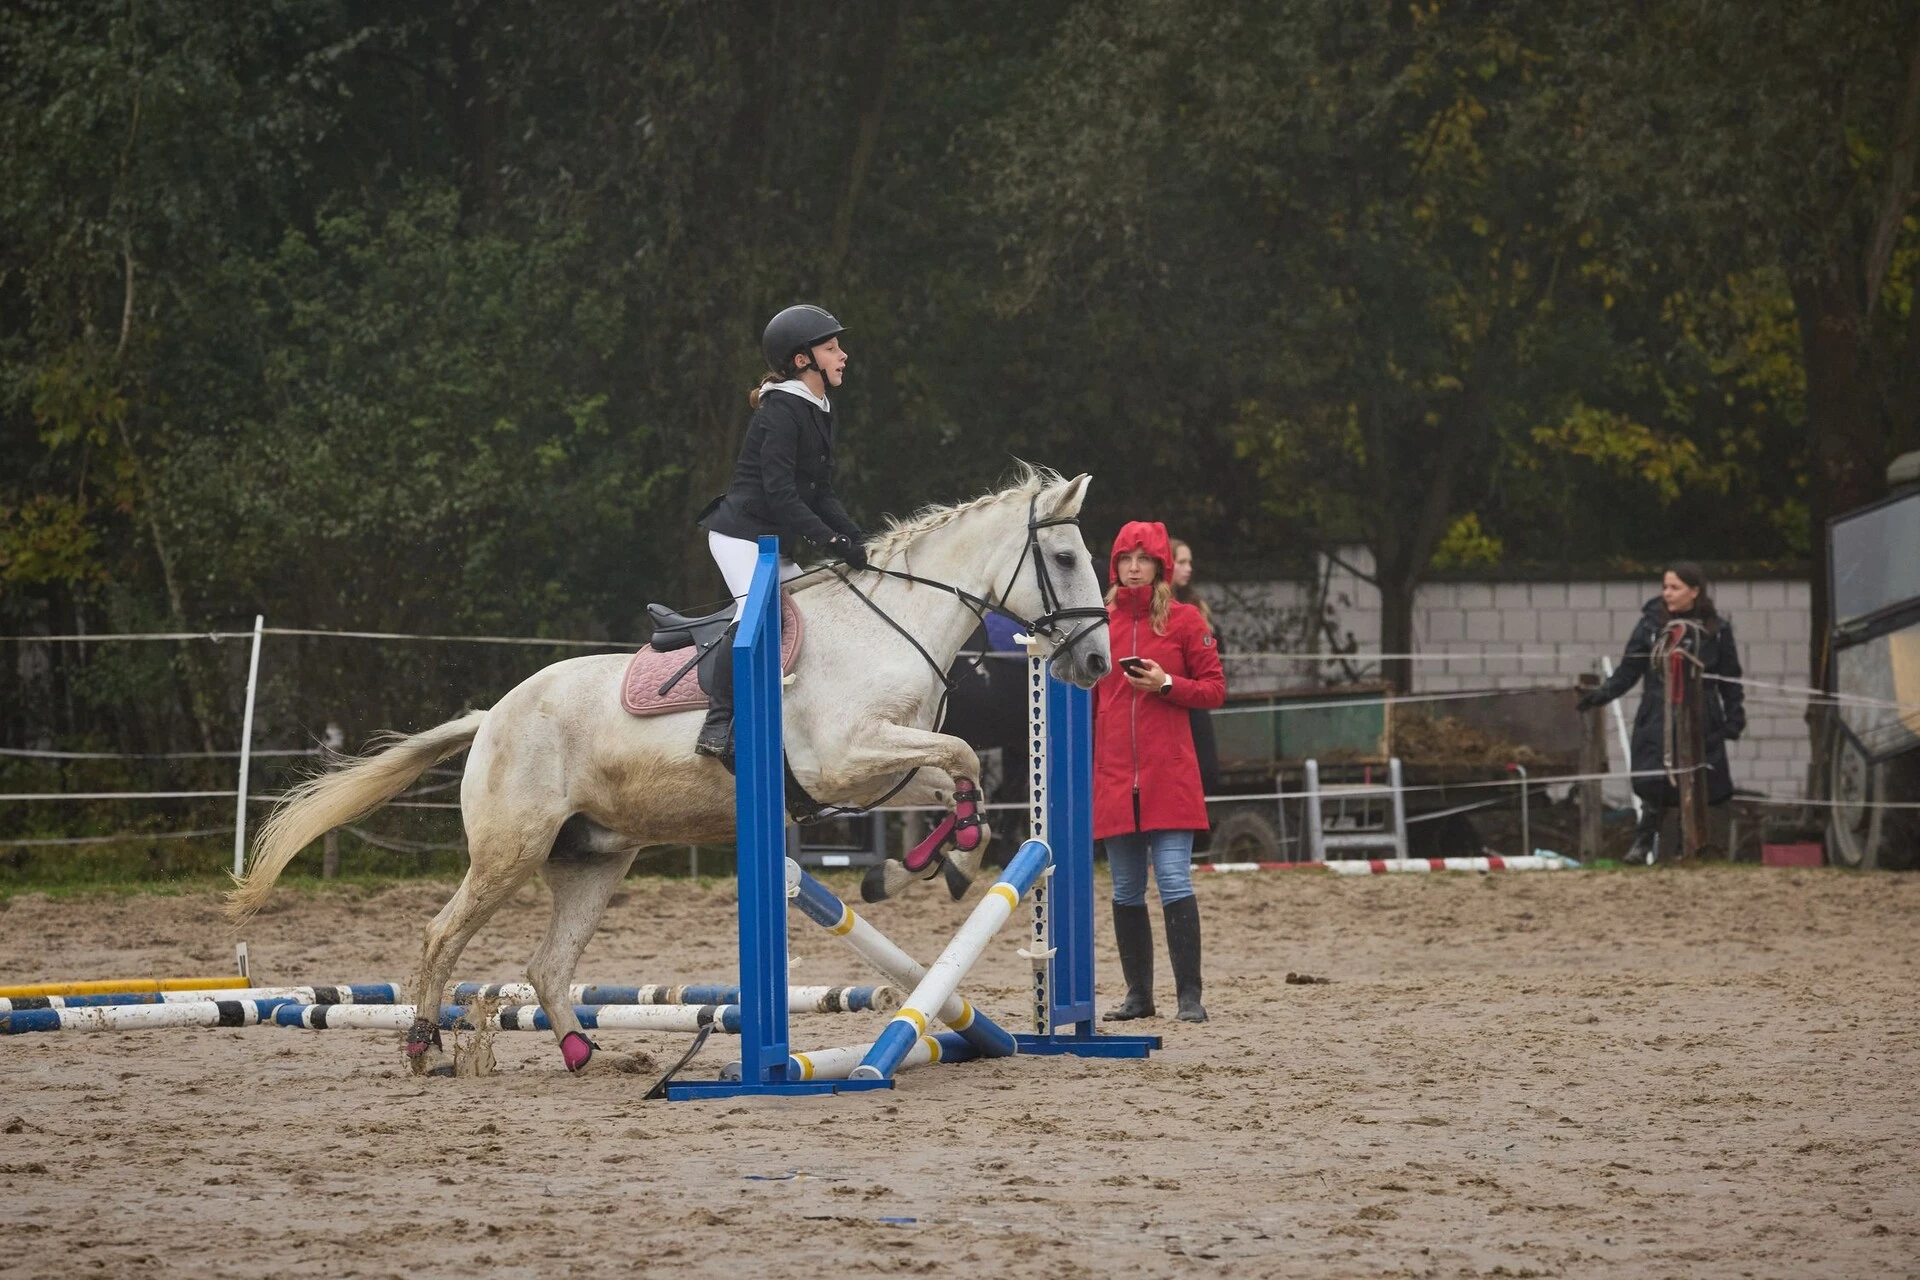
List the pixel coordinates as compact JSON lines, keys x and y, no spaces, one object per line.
{"x":676,"y":630}
{"x":673,"y":631}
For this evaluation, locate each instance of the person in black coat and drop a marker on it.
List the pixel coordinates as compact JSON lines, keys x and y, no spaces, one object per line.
{"x":1683,"y":598}
{"x":1206,"y":748}
{"x":783,"y":483}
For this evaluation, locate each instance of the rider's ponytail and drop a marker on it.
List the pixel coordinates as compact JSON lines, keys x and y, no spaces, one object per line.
{"x":766,"y":380}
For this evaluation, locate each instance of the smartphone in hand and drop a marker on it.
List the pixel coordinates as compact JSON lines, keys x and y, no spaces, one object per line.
{"x":1134,"y":666}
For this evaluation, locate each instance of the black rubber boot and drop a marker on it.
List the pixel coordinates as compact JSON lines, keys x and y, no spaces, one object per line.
{"x":1133,"y":932}
{"x":716,"y":735}
{"x":1183,"y":948}
{"x":1645,"y":850}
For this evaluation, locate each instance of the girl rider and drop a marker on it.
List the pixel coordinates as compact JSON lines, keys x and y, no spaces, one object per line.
{"x":783,"y":482}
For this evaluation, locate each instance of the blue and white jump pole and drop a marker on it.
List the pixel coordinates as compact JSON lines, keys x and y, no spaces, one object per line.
{"x":878,"y":999}
{"x":943,"y":975}
{"x":281,"y":1012}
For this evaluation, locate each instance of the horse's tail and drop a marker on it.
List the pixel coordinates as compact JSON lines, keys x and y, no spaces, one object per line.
{"x":318,"y":805}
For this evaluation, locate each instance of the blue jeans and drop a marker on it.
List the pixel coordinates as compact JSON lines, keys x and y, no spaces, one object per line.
{"x":1172,"y":854}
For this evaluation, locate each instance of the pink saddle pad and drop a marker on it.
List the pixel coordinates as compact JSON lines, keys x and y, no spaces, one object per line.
{"x":649,"y":669}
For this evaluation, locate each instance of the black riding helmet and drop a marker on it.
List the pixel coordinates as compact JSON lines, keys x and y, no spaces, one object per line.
{"x":797,"y":329}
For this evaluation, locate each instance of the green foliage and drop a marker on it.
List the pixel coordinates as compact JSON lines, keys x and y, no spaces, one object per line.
{"x":440,"y":317}
{"x":1466,"y":545}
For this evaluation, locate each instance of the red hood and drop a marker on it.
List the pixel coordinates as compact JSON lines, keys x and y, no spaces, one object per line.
{"x":1149,"y":536}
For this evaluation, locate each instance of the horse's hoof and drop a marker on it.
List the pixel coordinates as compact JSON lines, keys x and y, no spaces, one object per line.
{"x":429,"y":1062}
{"x":576,"y":1050}
{"x":959,"y":880}
{"x":885,"y":879}
{"x":422,"y":1036}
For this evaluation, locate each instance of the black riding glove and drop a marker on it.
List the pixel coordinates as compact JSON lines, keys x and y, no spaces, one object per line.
{"x":845,"y":548}
{"x":1588,"y":701}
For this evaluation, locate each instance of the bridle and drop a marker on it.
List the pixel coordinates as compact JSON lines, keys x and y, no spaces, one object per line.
{"x":1048,"y":625}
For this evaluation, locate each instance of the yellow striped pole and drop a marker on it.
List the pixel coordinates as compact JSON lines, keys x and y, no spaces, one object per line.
{"x":122,"y":986}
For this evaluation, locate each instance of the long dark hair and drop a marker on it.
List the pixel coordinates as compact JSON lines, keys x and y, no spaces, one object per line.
{"x":1186,"y":594}
{"x":1703,"y":612}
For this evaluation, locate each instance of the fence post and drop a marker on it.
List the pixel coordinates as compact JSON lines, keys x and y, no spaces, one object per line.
{"x":334,"y":740}
{"x":1593,"y":763}
{"x":246,"y":753}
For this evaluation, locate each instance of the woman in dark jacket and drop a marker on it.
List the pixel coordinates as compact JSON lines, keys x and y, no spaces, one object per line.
{"x":1708,"y":638}
{"x":783,"y":482}
{"x":1147,"y":801}
{"x":1206,"y":748}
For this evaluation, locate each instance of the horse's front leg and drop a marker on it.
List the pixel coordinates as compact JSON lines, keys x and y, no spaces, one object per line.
{"x":949,"y":773}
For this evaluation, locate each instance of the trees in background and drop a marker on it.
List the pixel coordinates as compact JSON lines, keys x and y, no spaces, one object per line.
{"x":1756,"y":160}
{"x":441,"y":317}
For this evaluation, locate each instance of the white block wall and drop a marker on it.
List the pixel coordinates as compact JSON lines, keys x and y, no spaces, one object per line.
{"x":1511,"y":635}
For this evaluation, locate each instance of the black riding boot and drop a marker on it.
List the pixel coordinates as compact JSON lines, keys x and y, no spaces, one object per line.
{"x":1646,"y":838}
{"x":716,"y":735}
{"x":1133,"y":932}
{"x":1183,"y":948}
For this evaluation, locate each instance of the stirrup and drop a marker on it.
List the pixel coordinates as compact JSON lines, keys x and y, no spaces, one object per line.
{"x":716,"y":739}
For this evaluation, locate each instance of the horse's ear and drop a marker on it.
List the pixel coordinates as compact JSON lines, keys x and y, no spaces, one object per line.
{"x":1065,"y":498}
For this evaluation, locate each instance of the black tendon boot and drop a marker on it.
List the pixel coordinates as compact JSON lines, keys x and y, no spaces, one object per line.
{"x":1646,"y":838}
{"x":716,"y":735}
{"x":1133,"y":932}
{"x":1183,"y":948}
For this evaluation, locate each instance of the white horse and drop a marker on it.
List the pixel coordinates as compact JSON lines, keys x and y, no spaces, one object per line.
{"x":562,"y":782}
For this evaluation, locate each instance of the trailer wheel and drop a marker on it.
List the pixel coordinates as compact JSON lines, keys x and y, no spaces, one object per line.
{"x":1246,"y":835}
{"x":1861,"y":833}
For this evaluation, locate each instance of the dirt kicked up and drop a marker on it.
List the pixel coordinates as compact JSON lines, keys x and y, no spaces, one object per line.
{"x":1710,"y":1072}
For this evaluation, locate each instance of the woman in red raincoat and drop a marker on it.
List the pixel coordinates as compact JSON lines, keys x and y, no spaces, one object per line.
{"x":1147,"y":798}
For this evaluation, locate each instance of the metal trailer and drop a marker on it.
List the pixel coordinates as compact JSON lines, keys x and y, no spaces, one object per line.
{"x":1264,"y":741}
{"x":1351,"y":738}
{"x":1871,"y":744}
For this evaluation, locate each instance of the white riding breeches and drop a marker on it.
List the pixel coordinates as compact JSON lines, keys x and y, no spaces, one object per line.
{"x":737,"y":558}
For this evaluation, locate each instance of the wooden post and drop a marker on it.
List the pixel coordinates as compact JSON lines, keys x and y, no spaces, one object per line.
{"x":1690,"y":749}
{"x":333,"y":741}
{"x":1593,"y":763}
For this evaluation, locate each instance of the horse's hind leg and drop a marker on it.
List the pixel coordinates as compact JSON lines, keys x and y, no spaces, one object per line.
{"x":488,"y":884}
{"x":581,"y":886}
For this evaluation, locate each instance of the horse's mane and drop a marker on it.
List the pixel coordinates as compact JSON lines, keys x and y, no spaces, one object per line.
{"x":902,"y":532}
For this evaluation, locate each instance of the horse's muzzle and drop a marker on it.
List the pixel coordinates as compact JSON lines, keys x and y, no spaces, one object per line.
{"x":1084,"y":659}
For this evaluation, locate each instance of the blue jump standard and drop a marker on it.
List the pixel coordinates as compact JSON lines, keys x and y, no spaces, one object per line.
{"x":759,"y":802}
{"x":766,"y":1066}
{"x":1070,"y":899}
